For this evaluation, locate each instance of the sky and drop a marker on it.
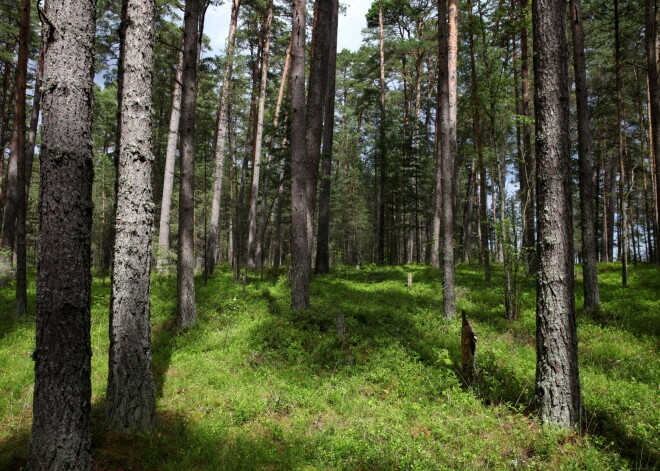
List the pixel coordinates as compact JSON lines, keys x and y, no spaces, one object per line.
{"x":349,"y":36}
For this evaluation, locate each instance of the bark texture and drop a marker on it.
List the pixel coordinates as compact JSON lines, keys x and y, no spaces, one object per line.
{"x":61,"y":428}
{"x":322,"y":265}
{"x":587,"y":213}
{"x":447,"y":158}
{"x":557,"y":379}
{"x":131,"y":393}
{"x":163,"y":253}
{"x":186,"y":309}
{"x":221,"y":141}
{"x":300,"y":255}
{"x":651,"y":36}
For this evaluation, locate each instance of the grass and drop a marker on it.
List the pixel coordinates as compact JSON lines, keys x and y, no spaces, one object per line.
{"x":253,"y":386}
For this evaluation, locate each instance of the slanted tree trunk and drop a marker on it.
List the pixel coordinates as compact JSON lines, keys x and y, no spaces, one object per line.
{"x":323,"y":238}
{"x":300,"y":255}
{"x":131,"y":393}
{"x":258,"y":144}
{"x":163,"y":252}
{"x":61,"y":426}
{"x":221,"y":142}
{"x":654,"y":102}
{"x":587,"y":214}
{"x":557,"y":378}
{"x":21,"y":208}
{"x":186,"y":309}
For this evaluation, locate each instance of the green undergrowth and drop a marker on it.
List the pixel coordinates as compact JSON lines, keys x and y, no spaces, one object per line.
{"x":254,"y":386}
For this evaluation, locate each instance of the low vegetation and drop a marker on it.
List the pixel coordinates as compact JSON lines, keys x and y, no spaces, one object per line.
{"x":255,"y":386}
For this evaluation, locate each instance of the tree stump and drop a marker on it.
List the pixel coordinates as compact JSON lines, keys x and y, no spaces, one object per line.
{"x":468,"y":350}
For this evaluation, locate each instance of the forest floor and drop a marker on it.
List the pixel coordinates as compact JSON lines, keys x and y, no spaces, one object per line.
{"x":253,"y":386}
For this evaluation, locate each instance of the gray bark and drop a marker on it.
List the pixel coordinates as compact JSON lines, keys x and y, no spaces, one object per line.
{"x":557,"y":379}
{"x":322,"y":265}
{"x":300,"y":255}
{"x":186,"y":309}
{"x":258,"y":145}
{"x":587,"y":214}
{"x":447,"y":158}
{"x":131,"y":394}
{"x":61,"y":427}
{"x":163,"y":253}
{"x":221,"y":141}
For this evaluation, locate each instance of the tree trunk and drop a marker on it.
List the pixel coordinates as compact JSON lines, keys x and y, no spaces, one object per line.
{"x":527,"y":166}
{"x":316,"y":98}
{"x":19,"y":116}
{"x":34,"y":117}
{"x":587,"y":214}
{"x":163,"y":253}
{"x":221,"y":141}
{"x":258,"y":144}
{"x":654,"y":103}
{"x":323,"y":237}
{"x":447,"y":158}
{"x":131,"y":394}
{"x":557,"y":379}
{"x":186,"y":309}
{"x":61,"y":427}
{"x":300,"y":255}
{"x":382,"y":145}
{"x":623,"y":236}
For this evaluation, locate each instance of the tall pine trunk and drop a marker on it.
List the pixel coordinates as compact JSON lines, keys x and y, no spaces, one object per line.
{"x":323,"y":238}
{"x":382,"y":144}
{"x":557,"y":379}
{"x":186,"y":309}
{"x":654,"y":103}
{"x":587,"y":213}
{"x":300,"y":256}
{"x":221,"y":140}
{"x":163,"y":252}
{"x":131,"y":394}
{"x":61,"y":425}
{"x":623,"y":236}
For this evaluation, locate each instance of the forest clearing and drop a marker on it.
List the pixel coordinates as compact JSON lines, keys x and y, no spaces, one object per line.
{"x":254,"y":386}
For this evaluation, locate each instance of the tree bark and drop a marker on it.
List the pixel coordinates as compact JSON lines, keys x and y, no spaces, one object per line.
{"x":447,"y":158}
{"x":654,"y":100}
{"x":186,"y":309}
{"x":587,"y":214}
{"x":163,"y":253}
{"x":557,"y":378}
{"x":316,"y":98}
{"x":221,"y":141}
{"x":382,"y":145}
{"x":323,"y":238}
{"x":34,"y":117}
{"x":300,"y":255}
{"x":21,"y":209}
{"x":258,"y":144}
{"x":131,"y":394}
{"x":623,"y":236}
{"x":61,"y":427}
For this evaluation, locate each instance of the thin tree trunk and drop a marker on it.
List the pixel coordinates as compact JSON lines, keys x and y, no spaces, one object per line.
{"x":382,"y":145}
{"x":131,"y":394}
{"x":323,"y":237}
{"x":61,"y":420}
{"x":221,"y":142}
{"x":21,"y":210}
{"x":163,"y":253}
{"x":587,"y":214}
{"x":300,"y":260}
{"x":34,"y":117}
{"x":447,"y":158}
{"x":186,"y":309}
{"x":316,"y":98}
{"x":4,"y":120}
{"x":623,"y":239}
{"x":258,"y":143}
{"x":654,"y":102}
{"x":557,"y":378}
